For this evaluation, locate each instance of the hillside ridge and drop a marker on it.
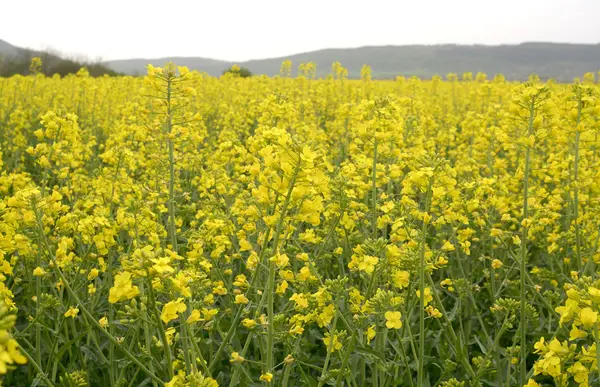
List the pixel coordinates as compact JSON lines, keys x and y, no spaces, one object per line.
{"x":561,"y":61}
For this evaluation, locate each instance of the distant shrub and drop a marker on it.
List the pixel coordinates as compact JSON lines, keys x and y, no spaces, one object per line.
{"x":49,"y":64}
{"x":236,"y":70}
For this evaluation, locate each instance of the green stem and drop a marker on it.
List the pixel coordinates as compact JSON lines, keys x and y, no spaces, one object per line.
{"x":458,"y":347}
{"x":597,"y":346}
{"x":490,"y":353}
{"x":198,"y":353}
{"x":184,"y":339}
{"x":343,"y":367}
{"x":38,"y":312}
{"x":37,"y":367}
{"x":523,"y":253}
{"x":270,"y":289}
{"x":147,"y":336}
{"x":161,"y":329}
{"x":374,"y":189}
{"x":576,"y":190}
{"x":110,"y":337}
{"x":420,"y":371}
{"x":112,"y":364}
{"x":329,"y":349}
{"x":217,"y":355}
{"x":171,"y":206}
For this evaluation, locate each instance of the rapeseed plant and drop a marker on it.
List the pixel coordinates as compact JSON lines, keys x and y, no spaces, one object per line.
{"x":184,"y":230}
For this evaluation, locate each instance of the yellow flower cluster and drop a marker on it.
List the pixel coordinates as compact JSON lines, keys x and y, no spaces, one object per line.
{"x":315,"y":231}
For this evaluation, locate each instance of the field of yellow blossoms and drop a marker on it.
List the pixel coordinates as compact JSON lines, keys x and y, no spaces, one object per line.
{"x":183,"y":230}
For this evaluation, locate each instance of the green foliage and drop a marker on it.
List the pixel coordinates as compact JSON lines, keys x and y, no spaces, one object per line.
{"x":74,"y":379}
{"x":52,"y":64}
{"x":241,"y":72}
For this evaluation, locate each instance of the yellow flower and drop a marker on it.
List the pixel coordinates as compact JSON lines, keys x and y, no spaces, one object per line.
{"x":447,"y":246}
{"x":282,"y":287}
{"x":301,"y":301}
{"x":9,"y":353}
{"x":332,"y":345}
{"x":304,"y":274}
{"x":241,"y":299}
{"x":428,"y":296}
{"x":401,"y":279}
{"x":588,"y":317}
{"x":93,"y":274}
{"x":193,"y":317}
{"x":241,"y":281}
{"x":576,"y":333}
{"x":266,"y":377}
{"x":72,"y":312}
{"x":580,"y":373}
{"x":516,"y":240}
{"x":181,"y":283}
{"x":236,"y":358}
{"x":559,"y":348}
{"x":123,"y":288}
{"x":183,"y":70}
{"x":531,"y":383}
{"x":39,"y":272}
{"x":219,"y":289}
{"x":594,"y":294}
{"x":364,"y":263}
{"x":208,"y":314}
{"x":433,"y":312}
{"x":281,"y":260}
{"x":249,"y":323}
{"x":103,"y":322}
{"x":447,"y":283}
{"x":393,"y":320}
{"x":171,"y":310}
{"x":177,"y":380}
{"x":497,"y":264}
{"x":326,"y":315}
{"x":162,"y":265}
{"x":496,"y":232}
{"x":245,"y":245}
{"x":371,"y":332}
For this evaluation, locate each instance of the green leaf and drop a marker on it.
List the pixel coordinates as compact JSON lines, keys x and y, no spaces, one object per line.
{"x":369,"y":351}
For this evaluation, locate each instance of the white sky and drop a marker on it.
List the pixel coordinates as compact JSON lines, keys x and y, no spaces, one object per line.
{"x":238,"y":30}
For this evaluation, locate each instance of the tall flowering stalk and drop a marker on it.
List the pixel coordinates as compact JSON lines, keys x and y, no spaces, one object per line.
{"x":529,"y":106}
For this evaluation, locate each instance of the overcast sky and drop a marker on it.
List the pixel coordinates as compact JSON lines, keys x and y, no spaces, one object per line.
{"x":238,"y":30}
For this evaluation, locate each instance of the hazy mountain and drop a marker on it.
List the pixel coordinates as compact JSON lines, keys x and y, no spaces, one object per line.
{"x":7,"y":48}
{"x":17,"y":60}
{"x":561,"y":61}
{"x":138,"y":66}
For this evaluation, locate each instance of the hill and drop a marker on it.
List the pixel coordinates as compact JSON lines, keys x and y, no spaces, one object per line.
{"x":7,"y":49}
{"x":16,"y":60}
{"x":138,"y":66}
{"x":561,"y":61}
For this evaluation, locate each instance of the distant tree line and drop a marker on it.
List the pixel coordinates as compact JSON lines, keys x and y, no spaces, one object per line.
{"x":238,"y":71}
{"x":51,"y":64}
